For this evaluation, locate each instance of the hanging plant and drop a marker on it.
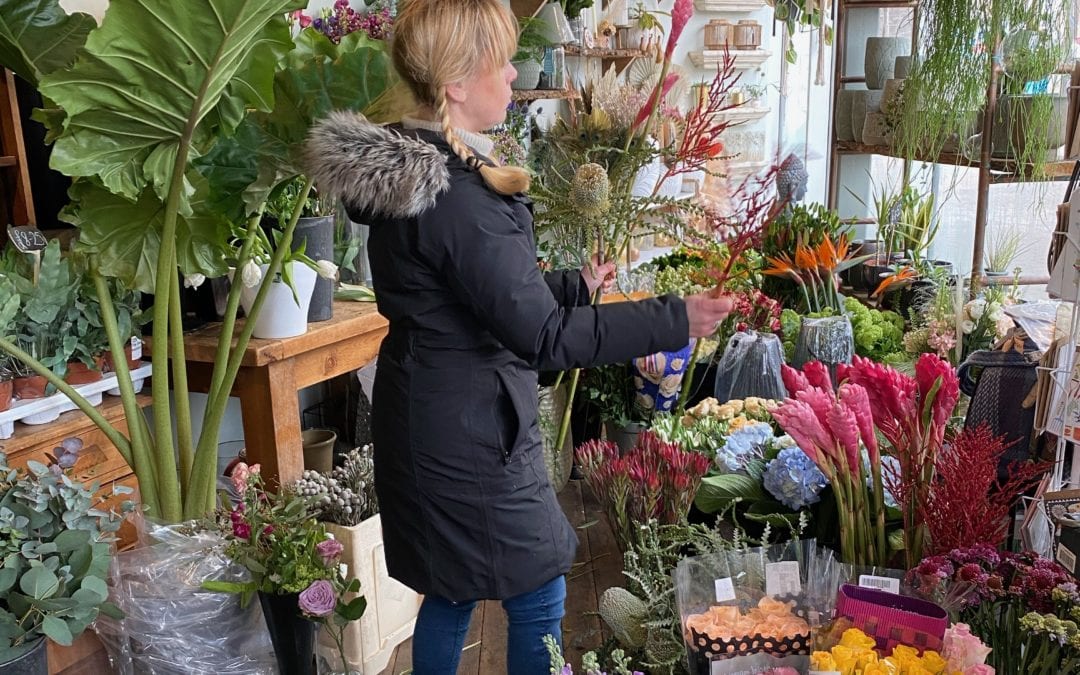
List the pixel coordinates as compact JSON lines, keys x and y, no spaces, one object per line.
{"x":960,"y":44}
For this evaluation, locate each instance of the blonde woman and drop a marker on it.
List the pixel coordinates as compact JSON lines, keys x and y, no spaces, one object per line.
{"x":467,"y":509}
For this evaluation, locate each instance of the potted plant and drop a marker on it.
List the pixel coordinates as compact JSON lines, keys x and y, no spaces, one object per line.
{"x":1005,"y":246}
{"x":344,"y":501}
{"x":315,"y":233}
{"x":289,"y":297}
{"x":294,"y":566}
{"x":532,"y":41}
{"x":56,"y":549}
{"x":10,"y":303}
{"x":91,"y":342}
{"x":572,"y":9}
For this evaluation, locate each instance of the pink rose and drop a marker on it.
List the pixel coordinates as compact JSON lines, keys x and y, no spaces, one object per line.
{"x":963,"y":650}
{"x":329,"y":550}
{"x":979,"y":669}
{"x":318,"y":599}
{"x":241,"y":474}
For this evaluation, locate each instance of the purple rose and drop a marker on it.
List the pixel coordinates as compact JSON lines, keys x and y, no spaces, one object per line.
{"x":319,"y":599}
{"x":329,"y":550}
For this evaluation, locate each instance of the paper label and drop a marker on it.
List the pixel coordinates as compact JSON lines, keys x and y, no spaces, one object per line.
{"x":725,"y":590}
{"x":136,"y":348}
{"x":1067,"y":558}
{"x":782,"y":578}
{"x":880,"y":583}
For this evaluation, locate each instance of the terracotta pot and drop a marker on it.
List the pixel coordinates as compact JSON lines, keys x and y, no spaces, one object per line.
{"x":29,"y":387}
{"x":110,"y":365}
{"x":79,"y":373}
{"x":6,"y":390}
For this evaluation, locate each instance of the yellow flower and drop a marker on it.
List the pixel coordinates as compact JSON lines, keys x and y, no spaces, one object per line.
{"x":933,"y":662}
{"x":884,"y":667}
{"x":856,"y":639}
{"x":736,"y":405}
{"x":725,"y":412}
{"x":846,"y":660}
{"x":822,"y":661}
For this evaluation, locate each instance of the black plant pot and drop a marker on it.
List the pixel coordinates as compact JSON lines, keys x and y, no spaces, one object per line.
{"x":293,"y":636}
{"x":34,"y":661}
{"x":318,"y":235}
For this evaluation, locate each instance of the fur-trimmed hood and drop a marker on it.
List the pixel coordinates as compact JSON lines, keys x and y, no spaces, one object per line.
{"x":374,"y":169}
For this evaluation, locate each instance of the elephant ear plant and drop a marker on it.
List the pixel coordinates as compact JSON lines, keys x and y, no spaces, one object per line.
{"x":175,"y":123}
{"x":55,"y":545}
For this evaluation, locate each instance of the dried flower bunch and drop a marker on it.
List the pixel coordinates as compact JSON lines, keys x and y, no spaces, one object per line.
{"x":345,"y":496}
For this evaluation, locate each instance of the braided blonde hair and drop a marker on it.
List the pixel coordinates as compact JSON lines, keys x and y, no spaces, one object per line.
{"x":439,"y":42}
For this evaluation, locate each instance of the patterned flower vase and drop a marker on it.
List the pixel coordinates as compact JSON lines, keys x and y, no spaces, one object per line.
{"x":658,"y":378}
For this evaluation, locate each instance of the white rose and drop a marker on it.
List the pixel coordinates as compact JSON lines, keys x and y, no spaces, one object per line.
{"x":326,"y":269}
{"x":995,"y":312}
{"x":194,"y":280}
{"x":967,"y":326}
{"x":251,"y":275}
{"x":975,"y":308}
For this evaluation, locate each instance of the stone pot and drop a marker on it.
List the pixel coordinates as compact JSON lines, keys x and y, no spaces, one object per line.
{"x":901,"y":67}
{"x":890,"y":96}
{"x":318,"y":447}
{"x":863,"y":102}
{"x":626,"y":437}
{"x":1012,"y":128}
{"x":528,"y":75}
{"x":842,"y":114}
{"x":876,"y":130}
{"x":879,"y":61}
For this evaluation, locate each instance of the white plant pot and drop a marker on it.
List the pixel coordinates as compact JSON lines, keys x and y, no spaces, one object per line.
{"x":391,"y":606}
{"x":280,"y":316}
{"x":528,"y":75}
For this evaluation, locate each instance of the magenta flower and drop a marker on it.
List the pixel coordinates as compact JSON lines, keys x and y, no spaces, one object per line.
{"x":241,"y":530}
{"x":318,"y":599}
{"x":329,"y":550}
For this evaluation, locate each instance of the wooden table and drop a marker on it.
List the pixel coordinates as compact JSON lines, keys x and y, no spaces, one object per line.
{"x":274,"y":371}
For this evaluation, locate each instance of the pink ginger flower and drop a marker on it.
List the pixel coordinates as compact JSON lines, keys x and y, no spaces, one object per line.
{"x":929,"y":370}
{"x":794,"y":380}
{"x":800,"y":422}
{"x":658,"y":94}
{"x":819,"y":401}
{"x":856,"y":399}
{"x":818,"y":375}
{"x":680,"y":15}
{"x":846,"y":431}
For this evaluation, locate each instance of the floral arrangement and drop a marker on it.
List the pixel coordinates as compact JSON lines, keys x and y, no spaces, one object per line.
{"x":815,"y":270}
{"x":911,"y":414}
{"x":793,"y":479}
{"x":855,"y":654}
{"x":993,"y":590}
{"x":263,"y":247}
{"x":345,"y":496}
{"x":983,"y":320}
{"x":831,"y":428}
{"x":340,"y":20}
{"x":1052,"y":643}
{"x":286,"y":551}
{"x":706,"y":427}
{"x":656,"y":480}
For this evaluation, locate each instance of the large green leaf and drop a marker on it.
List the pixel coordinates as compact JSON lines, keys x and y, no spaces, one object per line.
{"x":318,"y":76}
{"x":158,"y":74}
{"x":126,"y":236}
{"x":716,"y":492}
{"x":38,"y":37}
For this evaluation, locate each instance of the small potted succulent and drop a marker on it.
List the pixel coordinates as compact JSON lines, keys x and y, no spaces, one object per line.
{"x":56,"y":547}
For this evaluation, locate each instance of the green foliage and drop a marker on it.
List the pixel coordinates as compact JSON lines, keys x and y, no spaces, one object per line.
{"x":808,"y":224}
{"x":55,"y":547}
{"x":46,"y":325}
{"x":532,"y":39}
{"x":610,"y":389}
{"x":37,"y":38}
{"x":573,"y":8}
{"x":10,"y":304}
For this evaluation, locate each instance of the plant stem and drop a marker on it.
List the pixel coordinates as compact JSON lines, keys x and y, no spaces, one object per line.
{"x":141,"y":458}
{"x":180,"y":383}
{"x":688,"y":378}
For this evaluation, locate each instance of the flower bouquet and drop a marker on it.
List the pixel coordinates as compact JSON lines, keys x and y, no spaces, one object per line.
{"x":294,"y":568}
{"x":856,"y":652}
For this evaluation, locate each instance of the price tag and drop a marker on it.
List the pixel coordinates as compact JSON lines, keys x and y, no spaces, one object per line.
{"x":880,"y":583}
{"x":27,"y":238}
{"x":1067,"y":558}
{"x":782,"y":578}
{"x":725,"y":590}
{"x":136,"y":348}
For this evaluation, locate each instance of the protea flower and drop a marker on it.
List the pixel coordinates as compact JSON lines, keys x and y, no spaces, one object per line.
{"x":590,"y":190}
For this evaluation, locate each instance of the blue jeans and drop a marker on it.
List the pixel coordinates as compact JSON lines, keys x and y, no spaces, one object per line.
{"x":441,"y":627}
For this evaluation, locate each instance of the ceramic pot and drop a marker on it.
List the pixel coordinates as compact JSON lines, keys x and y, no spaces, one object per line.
{"x":280,"y":315}
{"x":901,"y":67}
{"x":842,"y":114}
{"x":1012,"y":127}
{"x":528,"y":75}
{"x":879,"y":62}
{"x":863,"y":102}
{"x":875,"y":129}
{"x":33,"y":661}
{"x":626,"y":437}
{"x":79,"y":373}
{"x":29,"y":387}
{"x":890,"y":97}
{"x":318,"y":449}
{"x":316,"y":235}
{"x":292,"y":635}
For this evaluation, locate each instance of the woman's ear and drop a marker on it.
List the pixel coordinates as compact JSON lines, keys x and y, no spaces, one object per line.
{"x":456,"y":93}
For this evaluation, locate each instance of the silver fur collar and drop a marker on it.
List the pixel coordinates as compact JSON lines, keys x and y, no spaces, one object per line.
{"x":374,"y":169}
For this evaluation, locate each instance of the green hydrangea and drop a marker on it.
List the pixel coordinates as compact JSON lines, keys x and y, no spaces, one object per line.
{"x":877,"y":333}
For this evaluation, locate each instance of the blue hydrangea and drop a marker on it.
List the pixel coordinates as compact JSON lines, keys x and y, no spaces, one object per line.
{"x":794,"y":480}
{"x":743,"y":445}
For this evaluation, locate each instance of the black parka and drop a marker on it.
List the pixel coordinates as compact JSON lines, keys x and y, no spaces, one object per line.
{"x":467,"y":509}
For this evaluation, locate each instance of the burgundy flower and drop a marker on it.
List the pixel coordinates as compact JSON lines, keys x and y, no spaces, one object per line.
{"x":242,"y":530}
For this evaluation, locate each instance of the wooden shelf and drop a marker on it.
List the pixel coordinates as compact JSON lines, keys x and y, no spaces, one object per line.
{"x":7,"y":160}
{"x":745,"y":59}
{"x":744,"y":113}
{"x":596,"y":53}
{"x":520,"y":95}
{"x":1001,"y":170}
{"x":729,"y":5}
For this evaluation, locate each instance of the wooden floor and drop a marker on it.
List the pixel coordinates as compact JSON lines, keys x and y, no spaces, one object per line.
{"x":598,"y":567}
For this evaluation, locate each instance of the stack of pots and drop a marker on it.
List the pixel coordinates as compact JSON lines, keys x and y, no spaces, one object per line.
{"x":860,"y":114}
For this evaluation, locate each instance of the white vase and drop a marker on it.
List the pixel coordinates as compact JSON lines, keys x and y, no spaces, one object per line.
{"x":528,"y":75}
{"x":280,"y":315}
{"x":391,"y":606}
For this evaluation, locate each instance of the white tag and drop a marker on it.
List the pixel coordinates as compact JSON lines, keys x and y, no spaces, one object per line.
{"x":725,"y":590}
{"x":1067,"y":558}
{"x":880,"y":583}
{"x":782,"y":578}
{"x":136,"y":348}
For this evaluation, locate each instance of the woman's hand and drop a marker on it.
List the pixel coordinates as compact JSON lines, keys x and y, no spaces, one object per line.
{"x":705,"y":311}
{"x":594,"y":274}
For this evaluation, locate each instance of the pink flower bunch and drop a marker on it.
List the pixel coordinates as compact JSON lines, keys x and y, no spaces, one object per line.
{"x":831,"y":429}
{"x":654,"y":481}
{"x":756,"y":311}
{"x":912,"y":414}
{"x":941,"y":337}
{"x":242,"y":474}
{"x":680,"y":16}
{"x":962,"y":649}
